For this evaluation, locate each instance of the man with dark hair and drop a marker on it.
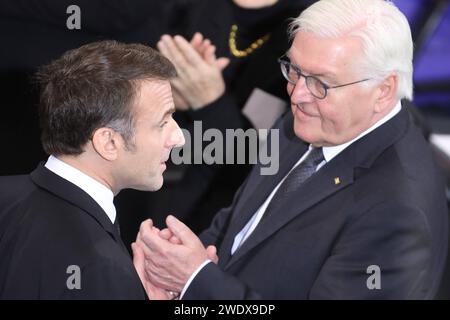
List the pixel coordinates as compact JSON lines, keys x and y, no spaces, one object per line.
{"x":106,"y":116}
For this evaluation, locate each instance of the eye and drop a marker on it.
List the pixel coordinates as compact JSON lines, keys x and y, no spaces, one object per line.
{"x":163,"y":124}
{"x":320,"y":83}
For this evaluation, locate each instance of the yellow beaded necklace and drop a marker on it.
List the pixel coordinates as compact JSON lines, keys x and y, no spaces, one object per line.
{"x":250,"y":49}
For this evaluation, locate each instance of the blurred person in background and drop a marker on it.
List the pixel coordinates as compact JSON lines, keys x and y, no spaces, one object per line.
{"x":247,"y":37}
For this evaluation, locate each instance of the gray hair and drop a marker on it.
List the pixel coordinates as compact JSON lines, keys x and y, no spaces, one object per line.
{"x":383,"y":29}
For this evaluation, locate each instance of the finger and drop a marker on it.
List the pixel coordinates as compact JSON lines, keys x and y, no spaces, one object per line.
{"x":211,"y":250}
{"x":165,"y":233}
{"x":175,"y":240}
{"x":210,"y":55}
{"x":169,"y":49}
{"x":179,"y":101}
{"x":146,"y":226}
{"x":162,"y":47}
{"x":141,"y":244}
{"x":179,"y":84}
{"x":155,"y":230}
{"x":181,"y":87}
{"x":206,"y":43}
{"x":138,"y":261}
{"x":222,"y":63}
{"x":197,"y":40}
{"x":140,"y":241}
{"x":154,"y":243}
{"x":138,"y":235}
{"x":168,"y":235}
{"x":181,"y":231}
{"x":212,"y":254}
{"x":189,"y":53}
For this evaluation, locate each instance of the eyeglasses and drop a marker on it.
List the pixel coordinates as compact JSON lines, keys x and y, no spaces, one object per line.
{"x":318,"y":89}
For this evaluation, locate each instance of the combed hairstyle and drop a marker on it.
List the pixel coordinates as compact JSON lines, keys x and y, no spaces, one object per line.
{"x":91,"y":87}
{"x":383,"y":29}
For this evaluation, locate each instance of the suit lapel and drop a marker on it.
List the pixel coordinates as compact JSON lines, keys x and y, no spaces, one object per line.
{"x":69,"y":192}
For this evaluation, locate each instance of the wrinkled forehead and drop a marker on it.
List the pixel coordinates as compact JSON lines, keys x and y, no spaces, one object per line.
{"x":317,"y":54}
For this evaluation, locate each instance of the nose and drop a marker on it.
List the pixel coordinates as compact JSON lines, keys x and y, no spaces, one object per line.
{"x":299,"y":93}
{"x":176,"y":137}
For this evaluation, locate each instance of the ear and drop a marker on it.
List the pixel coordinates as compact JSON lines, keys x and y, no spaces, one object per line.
{"x":107,"y":143}
{"x":386,"y":93}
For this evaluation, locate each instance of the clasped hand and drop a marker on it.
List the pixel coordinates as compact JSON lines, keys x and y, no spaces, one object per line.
{"x":166,"y":259}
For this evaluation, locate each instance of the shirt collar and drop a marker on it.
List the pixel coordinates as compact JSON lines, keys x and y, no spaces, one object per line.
{"x":331,"y":152}
{"x":99,"y":192}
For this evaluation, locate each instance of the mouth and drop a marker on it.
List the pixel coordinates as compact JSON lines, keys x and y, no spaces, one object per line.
{"x":166,"y":157}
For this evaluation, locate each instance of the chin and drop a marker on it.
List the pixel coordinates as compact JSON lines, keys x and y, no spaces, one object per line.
{"x":157,"y":184}
{"x":153,"y":185}
{"x":307,"y":136}
{"x":301,"y":131}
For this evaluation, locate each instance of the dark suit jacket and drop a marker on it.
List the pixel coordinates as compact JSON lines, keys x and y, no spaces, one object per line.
{"x":48,"y":224}
{"x":388,"y":209}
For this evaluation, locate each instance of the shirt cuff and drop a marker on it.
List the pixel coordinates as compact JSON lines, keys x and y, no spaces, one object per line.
{"x":191,"y":278}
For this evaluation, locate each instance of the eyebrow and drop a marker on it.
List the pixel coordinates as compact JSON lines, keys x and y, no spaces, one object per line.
{"x":330,"y":76}
{"x":168,"y":112}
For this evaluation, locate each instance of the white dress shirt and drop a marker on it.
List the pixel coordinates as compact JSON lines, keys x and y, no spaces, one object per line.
{"x":97,"y":191}
{"x":328,"y":152}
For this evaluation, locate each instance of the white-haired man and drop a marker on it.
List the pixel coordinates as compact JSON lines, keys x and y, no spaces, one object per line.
{"x":357,"y":209}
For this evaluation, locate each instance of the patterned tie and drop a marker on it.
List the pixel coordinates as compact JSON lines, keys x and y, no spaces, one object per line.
{"x":294,"y":179}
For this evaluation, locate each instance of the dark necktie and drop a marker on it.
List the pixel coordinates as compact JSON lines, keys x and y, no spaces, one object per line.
{"x":294,"y":179}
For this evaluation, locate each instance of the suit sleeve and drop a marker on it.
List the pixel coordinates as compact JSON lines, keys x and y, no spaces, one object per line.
{"x":107,"y":281}
{"x":211,"y":283}
{"x":381,"y":255}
